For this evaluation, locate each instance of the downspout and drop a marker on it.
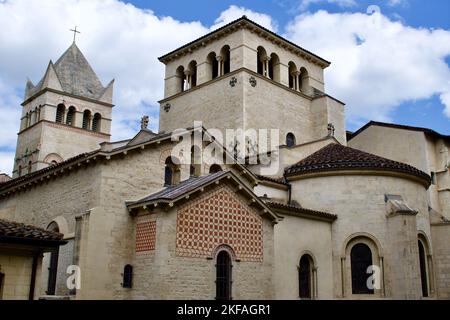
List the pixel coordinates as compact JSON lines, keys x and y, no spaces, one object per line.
{"x":33,"y":277}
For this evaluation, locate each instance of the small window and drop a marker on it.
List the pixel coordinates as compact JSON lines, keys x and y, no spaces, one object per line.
{"x":96,"y":122}
{"x":223,"y":276}
{"x":70,"y":119}
{"x":30,"y":166}
{"x":361,"y":260}
{"x":127,"y":276}
{"x":433,"y":178}
{"x":305,"y":277}
{"x":290,"y":140}
{"x":86,"y":119}
{"x":423,"y":269}
{"x":60,"y":110}
{"x":20,"y":171}
{"x":215,"y":168}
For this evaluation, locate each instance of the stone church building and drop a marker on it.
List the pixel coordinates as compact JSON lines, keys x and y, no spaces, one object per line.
{"x":363,"y":215}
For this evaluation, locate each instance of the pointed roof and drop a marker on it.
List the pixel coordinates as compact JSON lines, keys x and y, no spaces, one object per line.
{"x":74,"y":75}
{"x":336,"y":157}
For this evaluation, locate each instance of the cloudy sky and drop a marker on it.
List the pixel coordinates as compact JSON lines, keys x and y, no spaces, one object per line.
{"x":390,"y":58}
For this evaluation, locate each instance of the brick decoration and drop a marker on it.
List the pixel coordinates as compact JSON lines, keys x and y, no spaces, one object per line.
{"x":219,"y":218}
{"x":145,"y":235}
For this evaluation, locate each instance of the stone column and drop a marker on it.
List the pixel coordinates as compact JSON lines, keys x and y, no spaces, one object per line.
{"x":220,"y":66}
{"x":266,"y":67}
{"x":188,"y":75}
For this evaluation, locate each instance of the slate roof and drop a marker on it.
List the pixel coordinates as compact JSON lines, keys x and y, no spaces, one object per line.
{"x":75,"y":75}
{"x":14,"y":230}
{"x":335,"y":157}
{"x":301,"y":210}
{"x":270,"y":179}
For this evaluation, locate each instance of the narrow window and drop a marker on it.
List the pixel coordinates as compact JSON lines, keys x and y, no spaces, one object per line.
{"x":225,"y":54}
{"x":171,"y":173}
{"x":423,"y":269}
{"x":70,"y":118}
{"x":60,"y":110}
{"x":86,"y":119}
{"x":293,"y":76}
{"x":361,"y":260}
{"x":20,"y":170}
{"x":223,"y":276}
{"x":305,"y":277}
{"x":96,"y":122}
{"x":181,"y":77}
{"x":191,"y":77}
{"x":127,"y":276}
{"x":195,"y":167}
{"x":290,"y":140}
{"x":263,"y":62}
{"x":30,"y":166}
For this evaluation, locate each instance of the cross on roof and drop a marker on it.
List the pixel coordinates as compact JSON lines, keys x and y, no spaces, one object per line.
{"x":75,"y":31}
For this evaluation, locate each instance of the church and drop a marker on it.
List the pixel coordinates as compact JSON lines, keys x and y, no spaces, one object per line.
{"x":321,"y":213}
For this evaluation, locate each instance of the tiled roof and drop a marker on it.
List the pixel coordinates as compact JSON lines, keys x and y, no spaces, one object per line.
{"x":398,"y":126}
{"x":14,"y":230}
{"x":335,"y":157}
{"x":303,"y":211}
{"x":235,"y":22}
{"x":173,"y":192}
{"x":270,"y":179}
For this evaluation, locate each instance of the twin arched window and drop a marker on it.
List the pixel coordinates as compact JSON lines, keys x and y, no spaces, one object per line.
{"x":171,"y":172}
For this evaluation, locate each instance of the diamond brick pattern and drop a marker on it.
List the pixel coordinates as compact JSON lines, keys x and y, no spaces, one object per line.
{"x":145,"y":236}
{"x":219,"y":218}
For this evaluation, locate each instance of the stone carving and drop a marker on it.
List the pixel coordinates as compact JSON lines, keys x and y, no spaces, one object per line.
{"x":233,"y":82}
{"x":252,"y":81}
{"x":167,"y":107}
{"x":144,"y":122}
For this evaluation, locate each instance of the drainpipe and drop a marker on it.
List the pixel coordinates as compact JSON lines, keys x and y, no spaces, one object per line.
{"x":289,"y":189}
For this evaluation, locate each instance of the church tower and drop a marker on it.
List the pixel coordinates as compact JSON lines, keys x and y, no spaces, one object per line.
{"x":67,"y":113}
{"x":243,"y":76}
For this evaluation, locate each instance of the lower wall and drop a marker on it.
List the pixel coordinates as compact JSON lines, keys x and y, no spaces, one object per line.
{"x":17,"y":276}
{"x":441,"y":254}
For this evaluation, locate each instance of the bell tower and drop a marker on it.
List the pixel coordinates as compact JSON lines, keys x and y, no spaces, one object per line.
{"x":68,"y":112}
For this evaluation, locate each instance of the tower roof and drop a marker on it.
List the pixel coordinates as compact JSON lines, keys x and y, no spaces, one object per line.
{"x":336,"y":157}
{"x":72,"y":74}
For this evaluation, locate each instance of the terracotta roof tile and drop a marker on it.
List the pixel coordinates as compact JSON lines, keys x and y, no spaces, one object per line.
{"x":335,"y":157}
{"x":301,"y":210}
{"x":10,"y":229}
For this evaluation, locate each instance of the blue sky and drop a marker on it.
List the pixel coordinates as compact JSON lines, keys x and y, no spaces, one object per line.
{"x":392,"y":65}
{"x":415,"y":13}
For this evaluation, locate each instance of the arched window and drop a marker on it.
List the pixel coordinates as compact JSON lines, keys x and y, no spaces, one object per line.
{"x":70,"y":118}
{"x":215,"y":168}
{"x":127,"y":281}
{"x":306,"y":277}
{"x":96,"y":122}
{"x":304,"y":80}
{"x":181,"y":77}
{"x":86,"y":119}
{"x":290,"y":140}
{"x":214,"y":65}
{"x":223,"y":276}
{"x":53,"y":266}
{"x":361,"y":260}
{"x":274,"y":67}
{"x":60,"y":110}
{"x":423,"y":268}
{"x":196,"y":162}
{"x":263,"y":62}
{"x":30,"y":166}
{"x":225,"y":54}
{"x":171,"y":172}
{"x":293,"y":76}
{"x":191,"y":75}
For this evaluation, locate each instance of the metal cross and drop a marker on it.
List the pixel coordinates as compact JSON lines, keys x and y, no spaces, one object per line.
{"x":75,"y":31}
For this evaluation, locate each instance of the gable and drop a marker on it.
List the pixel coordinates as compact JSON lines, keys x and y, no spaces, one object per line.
{"x":219,"y":218}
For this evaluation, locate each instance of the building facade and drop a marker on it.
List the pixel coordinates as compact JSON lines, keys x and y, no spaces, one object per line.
{"x":342,"y":216}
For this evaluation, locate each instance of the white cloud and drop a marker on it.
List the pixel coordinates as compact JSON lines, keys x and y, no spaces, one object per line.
{"x":394,"y":3}
{"x":234,"y":12}
{"x":119,"y":40}
{"x":376,"y":63}
{"x":304,"y":4}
